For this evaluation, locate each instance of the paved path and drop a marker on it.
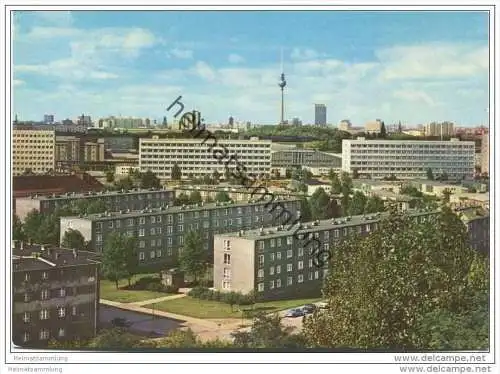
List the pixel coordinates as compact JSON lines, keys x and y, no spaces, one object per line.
{"x":157,"y":300}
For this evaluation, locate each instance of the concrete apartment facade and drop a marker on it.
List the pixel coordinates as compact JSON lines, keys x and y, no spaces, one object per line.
{"x":305,"y":158}
{"x":115,"y":200}
{"x":33,"y":149}
{"x":161,"y":231}
{"x":439,"y":129}
{"x":235,"y":193}
{"x":274,"y":264}
{"x":55,"y":294}
{"x":196,"y":159}
{"x":408,"y":159}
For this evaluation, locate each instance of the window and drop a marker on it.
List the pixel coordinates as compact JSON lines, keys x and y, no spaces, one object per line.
{"x":73,"y":310}
{"x":273,"y":243}
{"x":44,"y":334}
{"x":368,"y":227}
{"x":44,"y":294}
{"x":62,"y":292}
{"x":271,"y":256}
{"x":300,"y":278}
{"x":260,"y":287}
{"x":180,"y":228}
{"x":227,"y":259}
{"x":278,"y":283}
{"x":289,"y":253}
{"x":278,"y":242}
{"x":301,"y":252}
{"x":261,"y":260}
{"x":61,"y":332}
{"x":141,"y":232}
{"x":289,"y":240}
{"x":227,"y":273}
{"x":170,"y":229}
{"x":180,"y":217}
{"x":300,"y":265}
{"x":262,"y":245}
{"x":289,"y":281}
{"x":158,"y":219}
{"x":260,"y":273}
{"x":26,"y":337}
{"x":181,"y":240}
{"x":310,"y":263}
{"x":316,"y":274}
{"x":153,"y":219}
{"x":44,"y":314}
{"x":310,"y":276}
{"x":289,"y":267}
{"x":271,"y":270}
{"x":326,"y":235}
{"x":226,"y":285}
{"x":110,"y":224}
{"x":98,"y":237}
{"x":130,"y":222}
{"x":141,"y":256}
{"x":61,"y":311}
{"x":26,"y":317}
{"x":227,"y":245}
{"x":336,"y":233}
{"x":169,"y":219}
{"x":326,"y":246}
{"x":152,"y":231}
{"x":152,"y":254}
{"x":271,"y":285}
{"x":142,"y":220}
{"x":45,"y":275}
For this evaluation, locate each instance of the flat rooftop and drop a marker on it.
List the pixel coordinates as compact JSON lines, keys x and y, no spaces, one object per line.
{"x":328,"y":224}
{"x":170,"y":209}
{"x":74,"y":195}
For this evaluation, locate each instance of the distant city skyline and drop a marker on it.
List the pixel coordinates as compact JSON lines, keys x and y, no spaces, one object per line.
{"x":413,"y":67}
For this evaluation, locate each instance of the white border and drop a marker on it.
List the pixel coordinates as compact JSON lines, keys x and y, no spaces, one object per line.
{"x":354,"y":358}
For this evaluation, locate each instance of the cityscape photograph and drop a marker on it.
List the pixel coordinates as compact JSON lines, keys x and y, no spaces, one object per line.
{"x":251,"y":181}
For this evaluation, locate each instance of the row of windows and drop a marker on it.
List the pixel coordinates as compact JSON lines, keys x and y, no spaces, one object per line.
{"x":146,"y":143}
{"x":44,"y":314}
{"x":277,"y":283}
{"x":44,"y":334}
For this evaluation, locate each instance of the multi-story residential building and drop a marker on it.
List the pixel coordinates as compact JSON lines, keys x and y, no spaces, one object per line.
{"x":320,"y":114}
{"x":485,"y":153}
{"x":196,"y":159}
{"x":94,"y":151}
{"x":274,"y":263}
{"x":115,"y":201}
{"x":55,"y":294}
{"x":122,"y":122}
{"x":235,"y":193}
{"x":407,"y":159}
{"x":443,"y":129}
{"x":160,"y":232}
{"x":373,"y":127}
{"x":33,"y":150}
{"x":48,"y":119}
{"x":67,"y":150}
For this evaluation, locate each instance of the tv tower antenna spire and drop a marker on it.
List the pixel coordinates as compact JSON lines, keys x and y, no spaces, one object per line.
{"x":282,"y":85}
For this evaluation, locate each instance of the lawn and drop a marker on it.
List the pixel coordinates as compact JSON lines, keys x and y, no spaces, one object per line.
{"x":109,"y":291}
{"x":192,"y":307}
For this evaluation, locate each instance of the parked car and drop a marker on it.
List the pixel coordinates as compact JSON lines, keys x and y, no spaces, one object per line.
{"x":295,"y":313}
{"x":322,"y":305}
{"x":120,"y":322}
{"x":309,"y":308}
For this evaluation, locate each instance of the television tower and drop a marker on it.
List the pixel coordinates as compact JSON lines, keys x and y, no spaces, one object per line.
{"x":282,"y":85}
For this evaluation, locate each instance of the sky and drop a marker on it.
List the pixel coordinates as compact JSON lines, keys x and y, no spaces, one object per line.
{"x":413,"y":67}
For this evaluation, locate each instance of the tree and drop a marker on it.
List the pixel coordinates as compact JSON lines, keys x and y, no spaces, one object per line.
{"x":117,"y":257}
{"x":32,"y":225}
{"x":320,"y":202}
{"x":193,"y":260}
{"x":182,"y":199}
{"x":222,"y":196}
{"x":17,"y":228}
{"x":305,"y":211}
{"x":48,"y":231}
{"x":195,"y":197}
{"x":383,"y":131}
{"x":227,"y":174}
{"x":97,"y":206}
{"x":216,"y":177}
{"x":357,"y":204}
{"x":150,"y":180}
{"x":336,"y":183}
{"x":355,"y":174}
{"x":124,"y":184}
{"x":176,"y":173}
{"x":116,"y":339}
{"x":430,"y":175}
{"x":110,"y":176}
{"x":288,"y":173}
{"x":374,"y":205}
{"x":381,"y":286}
{"x":207,"y":179}
{"x":446,"y":195}
{"x":73,"y":239}
{"x":266,"y":332}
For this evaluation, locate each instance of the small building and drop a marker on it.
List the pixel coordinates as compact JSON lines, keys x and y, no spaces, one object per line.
{"x":172,"y":277}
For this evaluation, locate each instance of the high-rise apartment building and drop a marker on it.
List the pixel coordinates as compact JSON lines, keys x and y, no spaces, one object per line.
{"x":274,"y":264}
{"x":161,"y":231}
{"x":408,"y":159}
{"x":113,"y":200}
{"x":33,"y":150}
{"x":320,"y":114}
{"x":485,"y":153}
{"x":94,"y":151}
{"x":444,"y":129}
{"x":48,"y":119}
{"x":373,"y":127}
{"x":67,"y":150}
{"x":196,"y":157}
{"x":55,"y":294}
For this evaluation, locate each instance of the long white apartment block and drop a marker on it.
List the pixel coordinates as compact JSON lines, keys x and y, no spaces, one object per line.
{"x":196,"y":158}
{"x":408,"y":159}
{"x":33,"y":150}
